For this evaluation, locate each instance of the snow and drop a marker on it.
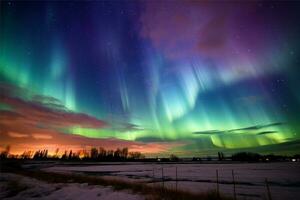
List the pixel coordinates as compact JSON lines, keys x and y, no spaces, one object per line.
{"x":283,"y":178}
{"x":35,"y":189}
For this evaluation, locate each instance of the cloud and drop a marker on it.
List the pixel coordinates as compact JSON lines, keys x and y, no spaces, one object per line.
{"x":48,"y":112}
{"x":50,"y":102}
{"x":40,"y":123}
{"x":17,"y":135}
{"x":243,"y":130}
{"x":9,"y":115}
{"x":209,"y":132}
{"x":53,"y":140}
{"x":258,"y":127}
{"x":266,"y":132}
{"x":124,"y":127}
{"x":41,"y":136}
{"x":35,"y":113}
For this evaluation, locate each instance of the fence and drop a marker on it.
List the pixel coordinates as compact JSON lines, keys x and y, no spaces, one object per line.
{"x":162,"y":178}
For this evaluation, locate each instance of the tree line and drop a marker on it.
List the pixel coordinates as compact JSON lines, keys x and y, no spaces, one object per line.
{"x":94,"y":154}
{"x":123,"y":154}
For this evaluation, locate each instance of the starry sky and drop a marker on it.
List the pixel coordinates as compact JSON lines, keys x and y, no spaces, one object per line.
{"x":183,"y":77}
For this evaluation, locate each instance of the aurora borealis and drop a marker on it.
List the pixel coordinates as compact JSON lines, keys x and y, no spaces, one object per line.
{"x":160,"y":77}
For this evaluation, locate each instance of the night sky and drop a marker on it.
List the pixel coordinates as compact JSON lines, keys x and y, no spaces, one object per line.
{"x":183,"y":77}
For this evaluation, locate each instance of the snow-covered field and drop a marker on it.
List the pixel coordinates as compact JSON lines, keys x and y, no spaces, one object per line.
{"x":22,"y":188}
{"x":283,"y":178}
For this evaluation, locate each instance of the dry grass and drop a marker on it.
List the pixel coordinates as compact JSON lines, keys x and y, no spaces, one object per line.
{"x":12,"y":188}
{"x":151,"y":192}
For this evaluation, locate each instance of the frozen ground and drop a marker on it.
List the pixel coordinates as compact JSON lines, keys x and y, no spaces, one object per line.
{"x":18,"y":187}
{"x":283,"y":178}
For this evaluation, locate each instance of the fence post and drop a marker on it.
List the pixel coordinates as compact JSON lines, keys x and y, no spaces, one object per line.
{"x":162,"y":176}
{"x":268,"y":189}
{"x":153,"y":178}
{"x":233,"y":181}
{"x":176,"y":178}
{"x":217,"y":174}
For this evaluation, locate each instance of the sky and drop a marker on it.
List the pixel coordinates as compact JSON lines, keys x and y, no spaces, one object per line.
{"x":189,"y":78}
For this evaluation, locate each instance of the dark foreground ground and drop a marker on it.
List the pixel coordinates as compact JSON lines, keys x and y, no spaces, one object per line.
{"x":51,"y":180}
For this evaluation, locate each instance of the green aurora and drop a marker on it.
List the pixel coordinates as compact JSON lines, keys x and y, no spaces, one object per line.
{"x":210,"y":81}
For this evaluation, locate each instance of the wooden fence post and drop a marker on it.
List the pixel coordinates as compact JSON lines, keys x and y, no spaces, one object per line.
{"x":153,"y":178}
{"x":268,"y":189}
{"x":176,"y":178}
{"x":217,"y":174}
{"x":162,"y":176}
{"x":233,"y":181}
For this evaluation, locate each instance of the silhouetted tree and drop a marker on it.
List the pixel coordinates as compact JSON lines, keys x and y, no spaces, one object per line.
{"x":102,"y":153}
{"x":4,"y":154}
{"x":124,"y":153}
{"x":220,"y":156}
{"x":109,"y":154}
{"x":26,"y":155}
{"x":173,"y":158}
{"x":94,"y":153}
{"x":40,"y":154}
{"x":117,"y":154}
{"x":70,"y":155}
{"x":56,"y":153}
{"x":136,"y":155}
{"x":64,"y":156}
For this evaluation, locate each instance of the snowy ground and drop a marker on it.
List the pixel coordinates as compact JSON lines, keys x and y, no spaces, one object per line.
{"x":18,"y":187}
{"x":283,"y":178}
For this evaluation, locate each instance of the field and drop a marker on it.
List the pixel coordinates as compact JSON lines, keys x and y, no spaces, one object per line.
{"x":283,"y":179}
